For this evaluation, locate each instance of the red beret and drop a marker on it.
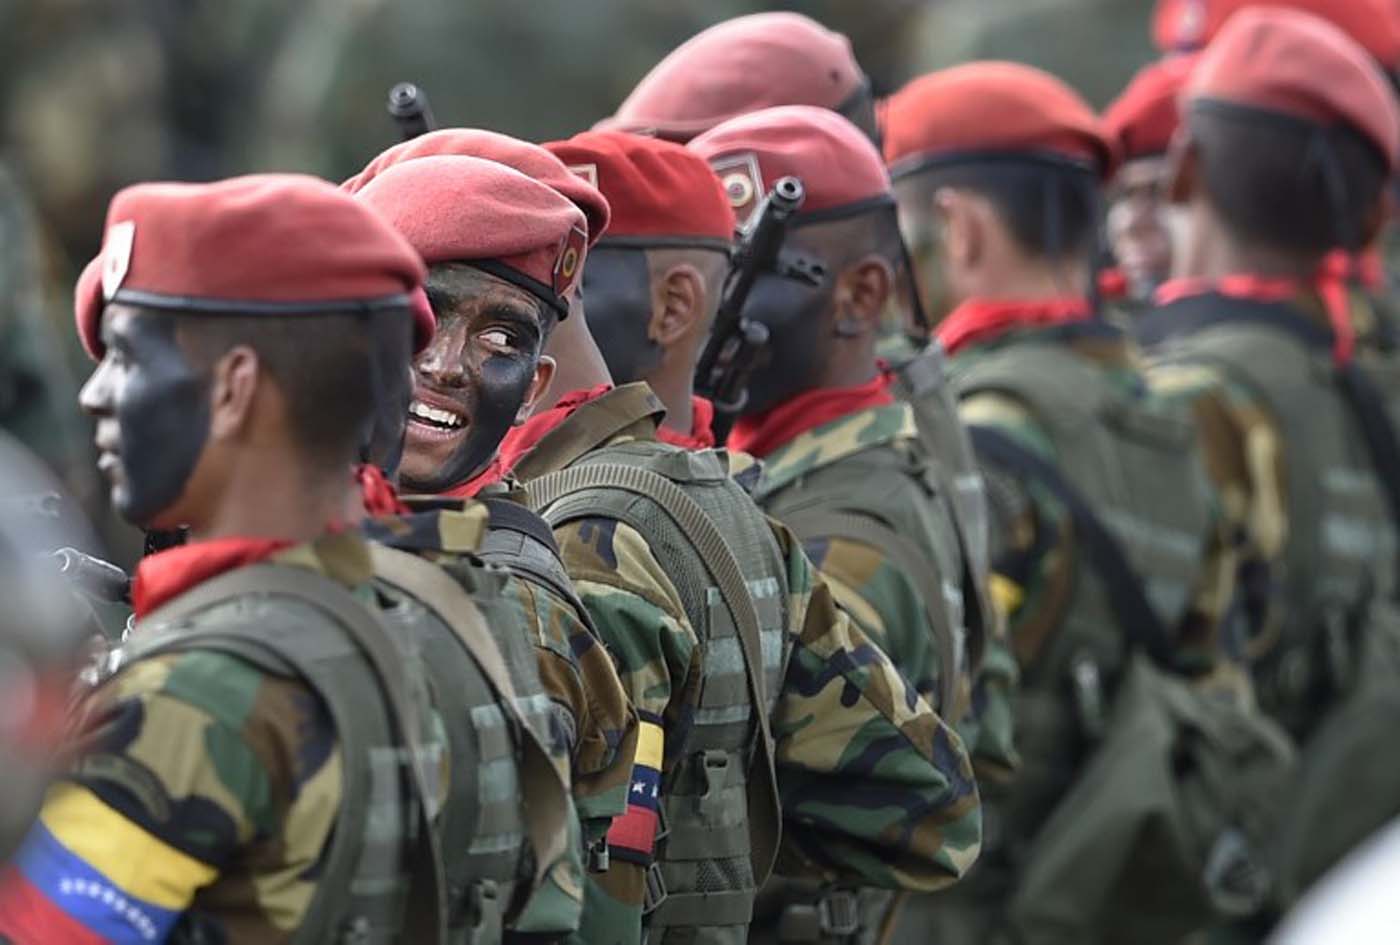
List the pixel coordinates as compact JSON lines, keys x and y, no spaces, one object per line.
{"x":465,"y":209}
{"x":529,"y":159}
{"x":657,"y":189}
{"x":1185,"y":25}
{"x":838,"y":166}
{"x":1300,"y":65}
{"x":738,"y":66}
{"x":1143,"y":119}
{"x":274,"y":244}
{"x":983,"y":108}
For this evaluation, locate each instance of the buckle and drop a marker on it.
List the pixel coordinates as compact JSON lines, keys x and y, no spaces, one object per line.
{"x":838,"y":913}
{"x":653,"y":889}
{"x":714,"y":771}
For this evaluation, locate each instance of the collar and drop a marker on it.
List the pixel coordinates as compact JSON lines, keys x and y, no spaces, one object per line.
{"x":981,"y":320}
{"x":701,"y":435}
{"x":431,"y":524}
{"x":763,"y":434}
{"x":380,"y":496}
{"x":580,"y":423}
{"x":1327,"y":285}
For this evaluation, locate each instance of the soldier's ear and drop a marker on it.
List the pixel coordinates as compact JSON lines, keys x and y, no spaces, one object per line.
{"x":961,"y":226}
{"x":538,"y":389}
{"x":862,"y":292}
{"x":237,"y":387}
{"x":678,"y":300}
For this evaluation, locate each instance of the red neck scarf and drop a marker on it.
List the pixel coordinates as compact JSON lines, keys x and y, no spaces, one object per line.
{"x":764,"y":433}
{"x":701,"y":435}
{"x":1328,"y":285}
{"x":168,"y":574}
{"x":519,"y":440}
{"x":1113,"y":284}
{"x":985,"y":319}
{"x":379,"y":494}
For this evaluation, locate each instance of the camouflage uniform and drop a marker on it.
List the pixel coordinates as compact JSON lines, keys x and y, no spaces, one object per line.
{"x":844,"y":715}
{"x":1324,"y":657}
{"x":877,"y":452}
{"x":591,"y":726}
{"x":1038,"y":572}
{"x":220,"y":780}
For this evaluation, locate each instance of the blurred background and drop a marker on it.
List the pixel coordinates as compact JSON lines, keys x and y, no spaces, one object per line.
{"x":97,"y":94}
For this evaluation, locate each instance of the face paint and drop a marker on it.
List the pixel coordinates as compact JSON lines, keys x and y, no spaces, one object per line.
{"x":472,"y":380}
{"x":152,"y":410}
{"x":617,"y":287}
{"x":796,"y":315}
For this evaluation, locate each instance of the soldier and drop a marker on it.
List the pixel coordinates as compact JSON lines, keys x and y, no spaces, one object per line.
{"x":743,"y":65}
{"x":256,"y":770}
{"x":1141,"y":122}
{"x":592,"y":713}
{"x":654,"y":281}
{"x":1108,"y":548}
{"x":1291,"y":132}
{"x":662,"y":583}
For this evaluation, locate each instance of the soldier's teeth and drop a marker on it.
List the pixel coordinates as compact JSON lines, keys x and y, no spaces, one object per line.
{"x":442,"y":418}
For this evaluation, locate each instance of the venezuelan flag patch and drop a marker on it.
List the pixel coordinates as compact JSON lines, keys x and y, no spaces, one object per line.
{"x":87,"y":874}
{"x":632,"y":836}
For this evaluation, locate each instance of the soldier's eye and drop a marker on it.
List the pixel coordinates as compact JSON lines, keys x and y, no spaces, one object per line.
{"x":498,"y":338}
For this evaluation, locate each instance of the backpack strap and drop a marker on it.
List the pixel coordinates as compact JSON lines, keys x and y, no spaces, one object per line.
{"x":425,"y":916}
{"x":1127,"y":596}
{"x":511,"y":516}
{"x":547,"y":797}
{"x":720,"y":561}
{"x":908,"y":557}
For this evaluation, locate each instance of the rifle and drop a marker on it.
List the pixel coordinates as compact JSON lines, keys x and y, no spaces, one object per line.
{"x":99,"y":579}
{"x":731,"y":354}
{"x":408,"y":107}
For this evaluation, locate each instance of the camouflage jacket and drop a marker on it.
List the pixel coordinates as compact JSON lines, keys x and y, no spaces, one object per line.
{"x":205,"y":786}
{"x":844,"y":716}
{"x":887,"y":603}
{"x":1034,"y":556}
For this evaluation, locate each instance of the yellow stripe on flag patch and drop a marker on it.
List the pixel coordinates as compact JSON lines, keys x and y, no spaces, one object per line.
{"x":143,"y":866}
{"x":651,"y":743}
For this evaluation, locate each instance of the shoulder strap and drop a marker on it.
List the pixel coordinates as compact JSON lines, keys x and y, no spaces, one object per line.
{"x":909,"y":558}
{"x":1378,"y":430}
{"x":590,"y":425}
{"x":1127,"y":595}
{"x":548,"y":800}
{"x":719,"y":559}
{"x":425,"y":918}
{"x":511,"y":516}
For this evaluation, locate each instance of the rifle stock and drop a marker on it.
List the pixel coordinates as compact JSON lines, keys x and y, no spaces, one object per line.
{"x":731,"y":354}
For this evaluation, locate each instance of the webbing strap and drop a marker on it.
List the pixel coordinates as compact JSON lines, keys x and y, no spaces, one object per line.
{"x":703,"y":909}
{"x":425,"y":918}
{"x":908,"y":557}
{"x":547,"y":798}
{"x":509,"y":515}
{"x":1127,"y":595}
{"x":719,"y":560}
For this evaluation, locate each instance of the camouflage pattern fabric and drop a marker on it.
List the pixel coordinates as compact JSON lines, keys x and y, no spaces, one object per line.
{"x":845,"y":715}
{"x":593,"y":730}
{"x":206,"y":786}
{"x":1033,"y":549}
{"x":867,"y":582}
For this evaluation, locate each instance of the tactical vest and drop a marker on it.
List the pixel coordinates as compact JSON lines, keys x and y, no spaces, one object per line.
{"x":1140,"y":462}
{"x":719,"y":813}
{"x":1339,"y":557}
{"x":380,"y":878}
{"x":491,"y":868}
{"x":873,"y":496}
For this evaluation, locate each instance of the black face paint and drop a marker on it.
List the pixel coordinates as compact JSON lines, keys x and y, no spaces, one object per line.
{"x":795,"y":314}
{"x":152,"y":408}
{"x":617,"y":285}
{"x":471,"y":381}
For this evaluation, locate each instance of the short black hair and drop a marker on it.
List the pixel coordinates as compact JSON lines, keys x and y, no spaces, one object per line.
{"x":323,"y":363}
{"x":1052,"y":209}
{"x":1285,"y":183}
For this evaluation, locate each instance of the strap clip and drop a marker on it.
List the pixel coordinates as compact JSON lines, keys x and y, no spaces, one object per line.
{"x":653,"y":889}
